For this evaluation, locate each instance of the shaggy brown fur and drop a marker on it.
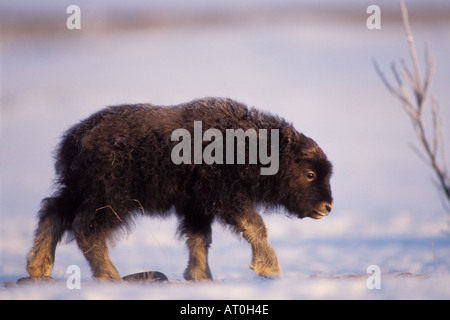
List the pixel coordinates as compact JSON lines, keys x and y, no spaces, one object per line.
{"x":117,"y":164}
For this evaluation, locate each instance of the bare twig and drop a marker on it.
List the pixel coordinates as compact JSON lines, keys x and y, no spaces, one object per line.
{"x":141,"y":207}
{"x":436,"y":264}
{"x":109,"y":206}
{"x":409,"y":37}
{"x":435,"y":145}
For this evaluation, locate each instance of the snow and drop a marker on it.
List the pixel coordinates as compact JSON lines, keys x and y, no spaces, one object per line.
{"x":317,"y":74}
{"x":287,"y":288}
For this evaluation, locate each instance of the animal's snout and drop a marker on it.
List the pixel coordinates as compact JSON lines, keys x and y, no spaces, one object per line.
{"x":325,"y":208}
{"x":322,"y":210}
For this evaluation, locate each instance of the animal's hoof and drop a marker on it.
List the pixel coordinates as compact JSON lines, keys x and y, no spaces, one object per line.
{"x":267,"y":272}
{"x":197,"y":274}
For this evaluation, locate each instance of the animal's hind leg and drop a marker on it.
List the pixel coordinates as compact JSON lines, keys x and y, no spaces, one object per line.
{"x":49,"y":232}
{"x":41,"y":258}
{"x":95,"y":250}
{"x":91,"y":237}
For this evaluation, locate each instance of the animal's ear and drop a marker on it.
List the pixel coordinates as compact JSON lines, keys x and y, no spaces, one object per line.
{"x":289,"y":139}
{"x":289,"y":134}
{"x":297,"y":144}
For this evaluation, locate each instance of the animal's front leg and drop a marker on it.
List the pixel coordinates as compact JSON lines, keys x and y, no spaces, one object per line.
{"x":198,"y":268}
{"x":264,"y":259}
{"x":198,"y":242}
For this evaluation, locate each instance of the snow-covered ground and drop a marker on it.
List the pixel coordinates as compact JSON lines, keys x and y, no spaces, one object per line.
{"x":317,"y":74}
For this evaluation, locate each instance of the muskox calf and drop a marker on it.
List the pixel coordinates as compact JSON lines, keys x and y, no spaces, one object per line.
{"x":126,"y":161}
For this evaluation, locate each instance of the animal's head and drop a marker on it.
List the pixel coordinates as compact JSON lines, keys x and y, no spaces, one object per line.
{"x":305,"y":176}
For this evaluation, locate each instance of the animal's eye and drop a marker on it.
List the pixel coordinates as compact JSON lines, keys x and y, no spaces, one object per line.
{"x":310,"y":176}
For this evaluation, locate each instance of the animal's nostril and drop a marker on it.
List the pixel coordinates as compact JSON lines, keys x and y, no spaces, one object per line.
{"x":328,"y":207}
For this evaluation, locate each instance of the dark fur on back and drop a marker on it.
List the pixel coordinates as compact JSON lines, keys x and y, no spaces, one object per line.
{"x":117,"y":164}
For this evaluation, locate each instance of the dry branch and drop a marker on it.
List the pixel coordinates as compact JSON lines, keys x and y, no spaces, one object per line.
{"x":434,"y":146}
{"x":114,"y":211}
